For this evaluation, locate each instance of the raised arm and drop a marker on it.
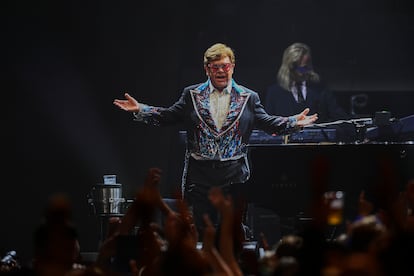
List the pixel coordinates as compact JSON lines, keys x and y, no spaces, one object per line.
{"x":214,"y":258}
{"x":226,"y":239}
{"x":279,"y":124}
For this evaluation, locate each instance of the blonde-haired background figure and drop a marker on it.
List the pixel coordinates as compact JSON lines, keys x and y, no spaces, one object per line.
{"x":299,"y":86}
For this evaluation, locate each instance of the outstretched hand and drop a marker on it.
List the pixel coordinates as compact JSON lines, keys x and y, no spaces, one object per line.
{"x":130,"y":104}
{"x":303,"y":119}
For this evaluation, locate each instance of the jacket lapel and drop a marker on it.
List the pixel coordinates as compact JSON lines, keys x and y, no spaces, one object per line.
{"x":201,"y":102}
{"x":237,"y":103}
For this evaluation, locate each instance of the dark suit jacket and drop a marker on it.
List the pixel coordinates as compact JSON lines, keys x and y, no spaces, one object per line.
{"x":320,"y":100}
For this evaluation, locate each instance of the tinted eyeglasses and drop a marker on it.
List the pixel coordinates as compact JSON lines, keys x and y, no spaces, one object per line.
{"x":225,"y":66}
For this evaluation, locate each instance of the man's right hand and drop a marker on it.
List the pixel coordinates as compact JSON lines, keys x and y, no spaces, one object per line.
{"x":130,"y":104}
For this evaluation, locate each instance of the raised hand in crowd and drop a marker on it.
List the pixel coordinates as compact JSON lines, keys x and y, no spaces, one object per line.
{"x":182,"y":256}
{"x":133,"y":243}
{"x":227,"y":236}
{"x":217,"y":263}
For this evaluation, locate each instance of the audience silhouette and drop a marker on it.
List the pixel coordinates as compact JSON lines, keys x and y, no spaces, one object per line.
{"x":378,"y":240}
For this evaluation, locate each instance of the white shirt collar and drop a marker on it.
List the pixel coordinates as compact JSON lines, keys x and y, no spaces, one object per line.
{"x":301,"y":83}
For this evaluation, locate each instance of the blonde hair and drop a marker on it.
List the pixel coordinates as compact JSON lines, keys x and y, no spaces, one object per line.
{"x":218,"y":51}
{"x":292,"y":57}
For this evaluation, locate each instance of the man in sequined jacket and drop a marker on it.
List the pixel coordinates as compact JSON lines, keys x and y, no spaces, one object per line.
{"x":219,"y":116}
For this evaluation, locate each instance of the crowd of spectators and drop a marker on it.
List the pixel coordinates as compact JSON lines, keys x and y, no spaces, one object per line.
{"x":378,"y":241}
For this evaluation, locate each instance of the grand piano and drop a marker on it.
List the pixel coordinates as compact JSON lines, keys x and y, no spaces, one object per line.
{"x":284,"y":170}
{"x":361,"y":154}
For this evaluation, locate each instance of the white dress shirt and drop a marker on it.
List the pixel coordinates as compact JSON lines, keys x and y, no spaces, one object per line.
{"x":219,"y":105}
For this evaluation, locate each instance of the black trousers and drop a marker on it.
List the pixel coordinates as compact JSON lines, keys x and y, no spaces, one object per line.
{"x":202,"y":175}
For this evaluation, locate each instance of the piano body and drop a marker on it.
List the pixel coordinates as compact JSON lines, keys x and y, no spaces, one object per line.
{"x":287,"y":170}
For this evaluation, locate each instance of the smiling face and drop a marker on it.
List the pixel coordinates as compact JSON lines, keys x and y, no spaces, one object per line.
{"x":220,"y":72}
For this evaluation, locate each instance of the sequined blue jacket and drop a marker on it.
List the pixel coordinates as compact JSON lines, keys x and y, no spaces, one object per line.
{"x":204,"y":139}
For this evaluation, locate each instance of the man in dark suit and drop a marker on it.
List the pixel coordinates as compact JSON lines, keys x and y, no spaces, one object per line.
{"x":298,"y":86}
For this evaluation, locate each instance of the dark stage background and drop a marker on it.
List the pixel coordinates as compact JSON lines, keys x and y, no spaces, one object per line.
{"x":68,"y":61}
